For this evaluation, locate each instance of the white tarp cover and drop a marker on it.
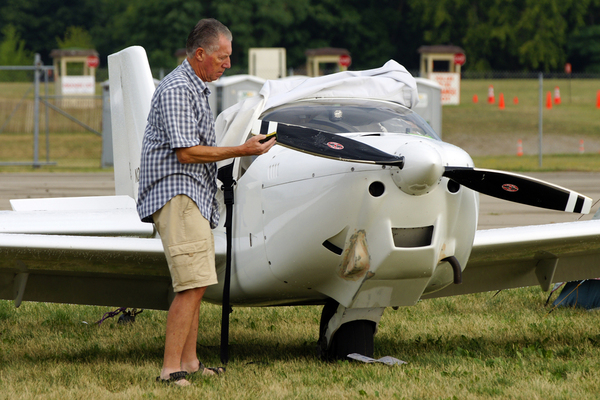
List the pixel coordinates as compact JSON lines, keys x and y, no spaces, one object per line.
{"x":390,"y":82}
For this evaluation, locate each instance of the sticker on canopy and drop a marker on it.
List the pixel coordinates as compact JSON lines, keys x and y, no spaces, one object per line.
{"x":509,"y":187}
{"x":335,"y":145}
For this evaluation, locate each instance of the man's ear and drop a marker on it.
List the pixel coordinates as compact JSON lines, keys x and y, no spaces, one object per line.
{"x":200,"y":54}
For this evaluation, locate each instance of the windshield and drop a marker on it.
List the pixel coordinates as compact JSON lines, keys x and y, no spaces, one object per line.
{"x":352,"y":116}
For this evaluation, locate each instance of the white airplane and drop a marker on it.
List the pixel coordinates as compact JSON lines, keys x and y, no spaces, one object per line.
{"x":359,"y":208}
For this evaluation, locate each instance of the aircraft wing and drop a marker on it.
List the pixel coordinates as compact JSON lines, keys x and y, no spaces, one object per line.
{"x":93,"y":270}
{"x":111,"y":271}
{"x":530,"y":255}
{"x":92,"y":216}
{"x":87,"y":250}
{"x":123,"y":264}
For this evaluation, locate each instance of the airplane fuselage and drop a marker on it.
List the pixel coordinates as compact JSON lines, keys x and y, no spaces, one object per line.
{"x":308,"y":228}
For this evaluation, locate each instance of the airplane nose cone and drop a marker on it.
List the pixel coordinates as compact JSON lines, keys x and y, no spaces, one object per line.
{"x":422,"y":170}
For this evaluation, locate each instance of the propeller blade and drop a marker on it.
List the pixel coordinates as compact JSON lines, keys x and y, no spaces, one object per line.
{"x":325,"y":144}
{"x":520,"y":189}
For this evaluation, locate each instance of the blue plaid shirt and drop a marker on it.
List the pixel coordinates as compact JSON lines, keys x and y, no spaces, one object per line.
{"x":179,"y":117}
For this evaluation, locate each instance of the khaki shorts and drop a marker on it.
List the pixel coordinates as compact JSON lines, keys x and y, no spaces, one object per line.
{"x":188,"y":242}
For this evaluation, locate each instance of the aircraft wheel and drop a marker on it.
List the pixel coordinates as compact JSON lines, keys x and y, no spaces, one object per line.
{"x":351,"y":337}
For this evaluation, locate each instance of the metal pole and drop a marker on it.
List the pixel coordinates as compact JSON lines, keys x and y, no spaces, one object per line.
{"x":36,"y":110}
{"x":540,"y":130}
{"x":47,"y":117}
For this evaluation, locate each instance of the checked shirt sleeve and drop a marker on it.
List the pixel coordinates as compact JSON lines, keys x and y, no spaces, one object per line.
{"x":181,"y":117}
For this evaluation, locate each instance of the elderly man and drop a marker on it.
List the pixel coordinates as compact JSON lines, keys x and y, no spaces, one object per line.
{"x":178,"y":186}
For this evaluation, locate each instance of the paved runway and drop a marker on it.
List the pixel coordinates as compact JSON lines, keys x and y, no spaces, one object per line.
{"x":43,"y":184}
{"x":494,"y":213}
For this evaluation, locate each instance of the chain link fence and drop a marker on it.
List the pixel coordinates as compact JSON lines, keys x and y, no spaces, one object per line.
{"x":27,"y":108}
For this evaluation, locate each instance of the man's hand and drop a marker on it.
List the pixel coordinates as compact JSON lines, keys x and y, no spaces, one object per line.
{"x":208,"y":154}
{"x":259,"y":144}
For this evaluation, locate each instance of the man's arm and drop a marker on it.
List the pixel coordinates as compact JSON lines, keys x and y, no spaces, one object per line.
{"x":208,"y":154}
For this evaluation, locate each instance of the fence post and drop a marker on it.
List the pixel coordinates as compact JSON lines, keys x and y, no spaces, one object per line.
{"x":36,"y":109}
{"x":541,"y":108}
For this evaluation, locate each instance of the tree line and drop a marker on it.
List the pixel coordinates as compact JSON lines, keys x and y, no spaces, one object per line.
{"x":509,"y":35}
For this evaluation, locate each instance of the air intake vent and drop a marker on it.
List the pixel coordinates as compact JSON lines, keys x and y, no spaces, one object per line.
{"x":273,"y":171}
{"x":412,"y":237}
{"x":333,"y":248}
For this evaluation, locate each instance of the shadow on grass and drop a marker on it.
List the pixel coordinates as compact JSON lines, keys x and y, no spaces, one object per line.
{"x":95,"y":351}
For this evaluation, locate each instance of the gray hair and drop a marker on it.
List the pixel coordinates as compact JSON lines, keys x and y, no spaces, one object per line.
{"x":206,"y":34}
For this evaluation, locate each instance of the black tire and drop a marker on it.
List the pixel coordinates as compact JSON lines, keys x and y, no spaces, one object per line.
{"x":351,"y":337}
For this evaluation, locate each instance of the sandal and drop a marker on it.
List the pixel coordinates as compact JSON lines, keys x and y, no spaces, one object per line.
{"x":177,"y":378}
{"x":210,"y":371}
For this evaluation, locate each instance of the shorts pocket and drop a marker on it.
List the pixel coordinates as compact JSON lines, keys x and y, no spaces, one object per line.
{"x":188,"y":262}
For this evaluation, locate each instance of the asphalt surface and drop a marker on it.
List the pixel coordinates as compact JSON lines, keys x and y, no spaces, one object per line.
{"x":493,"y":213}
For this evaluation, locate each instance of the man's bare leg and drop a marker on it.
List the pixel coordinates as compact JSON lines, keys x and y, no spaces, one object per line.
{"x":182,"y":320}
{"x":189,"y":357}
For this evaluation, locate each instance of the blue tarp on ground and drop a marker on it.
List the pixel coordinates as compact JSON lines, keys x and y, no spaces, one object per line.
{"x":584,"y":294}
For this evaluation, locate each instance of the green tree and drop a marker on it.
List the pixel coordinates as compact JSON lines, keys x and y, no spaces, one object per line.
{"x":263,"y":23}
{"x":504,"y":34}
{"x":39,"y":22}
{"x":373,"y":31}
{"x":75,"y":37}
{"x":584,"y":49}
{"x":495,"y":34}
{"x":387,"y":29}
{"x":13,"y":52}
{"x":583,"y":44}
{"x":160,"y":26}
{"x":542,"y":31}
{"x":490,"y":39}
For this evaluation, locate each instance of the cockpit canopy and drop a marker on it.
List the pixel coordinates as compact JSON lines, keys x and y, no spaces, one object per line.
{"x":347,"y":116}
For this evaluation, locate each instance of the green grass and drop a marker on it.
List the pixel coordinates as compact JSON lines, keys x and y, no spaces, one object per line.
{"x":551,"y":162}
{"x":16,"y":90}
{"x":576,"y":115}
{"x":72,"y":152}
{"x":469,"y":347}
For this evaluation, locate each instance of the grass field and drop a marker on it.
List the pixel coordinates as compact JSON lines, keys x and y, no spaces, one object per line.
{"x":470,"y":347}
{"x":17,"y":110}
{"x":71,"y":152}
{"x":576,"y":115}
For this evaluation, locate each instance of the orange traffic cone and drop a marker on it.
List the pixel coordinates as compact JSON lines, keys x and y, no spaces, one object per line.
{"x":501,"y":101}
{"x":475,"y":98}
{"x":549,"y":100}
{"x":491,"y":97}
{"x":519,"y":148}
{"x":598,"y":99}
{"x":516,"y":100}
{"x":556,"y":95}
{"x":581,"y":148}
